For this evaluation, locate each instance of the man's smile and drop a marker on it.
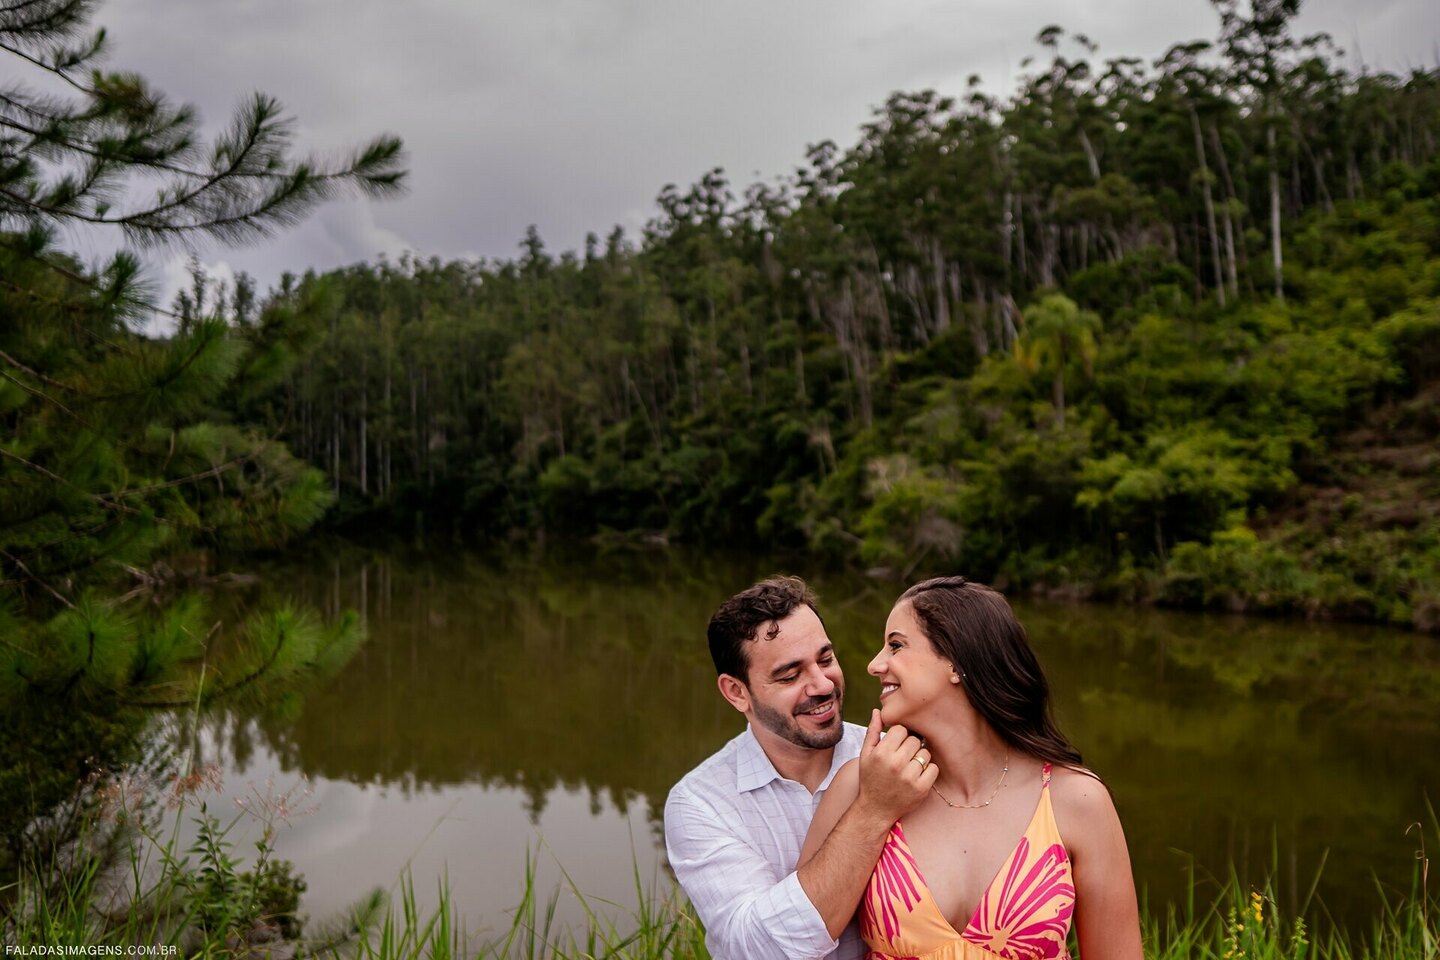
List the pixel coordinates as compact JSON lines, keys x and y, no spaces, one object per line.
{"x":820,"y":712}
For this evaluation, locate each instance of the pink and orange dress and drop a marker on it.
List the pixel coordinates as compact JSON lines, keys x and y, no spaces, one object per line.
{"x":1024,"y":914}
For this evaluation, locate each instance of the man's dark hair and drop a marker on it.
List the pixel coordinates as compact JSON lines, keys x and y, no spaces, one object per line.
{"x":739,"y":619}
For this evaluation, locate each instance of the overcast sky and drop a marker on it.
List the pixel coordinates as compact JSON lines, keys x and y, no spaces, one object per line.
{"x":573,"y":114}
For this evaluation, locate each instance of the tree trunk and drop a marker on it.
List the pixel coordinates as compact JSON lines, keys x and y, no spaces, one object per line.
{"x":1007,"y":235}
{"x":912,"y":288}
{"x":416,"y":441}
{"x":1020,"y":231}
{"x":364,"y":427}
{"x":1058,"y":391}
{"x":1090,"y":156}
{"x":942,"y":302}
{"x":978,"y":335}
{"x":1209,"y":206}
{"x":426,"y":421}
{"x":856,"y":349}
{"x":335,"y":450}
{"x":389,"y":442}
{"x":745,"y":367}
{"x":1232,"y":267}
{"x":1275,"y":255}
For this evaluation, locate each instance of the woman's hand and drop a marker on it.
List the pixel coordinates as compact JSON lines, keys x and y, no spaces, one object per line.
{"x":895,"y":772}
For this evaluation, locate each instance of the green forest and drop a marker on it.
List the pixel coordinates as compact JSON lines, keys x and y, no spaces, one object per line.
{"x":1146,"y":331}
{"x":1159,"y":332}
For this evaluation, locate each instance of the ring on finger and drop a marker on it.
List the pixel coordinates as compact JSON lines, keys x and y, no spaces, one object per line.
{"x":920,"y":760}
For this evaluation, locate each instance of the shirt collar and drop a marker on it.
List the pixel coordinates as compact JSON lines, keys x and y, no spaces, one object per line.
{"x":754,"y":770}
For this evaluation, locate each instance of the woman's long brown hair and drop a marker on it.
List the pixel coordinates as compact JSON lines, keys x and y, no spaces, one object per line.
{"x":973,"y":627}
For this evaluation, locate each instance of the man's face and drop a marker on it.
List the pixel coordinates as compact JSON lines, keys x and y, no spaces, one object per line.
{"x":795,"y":685}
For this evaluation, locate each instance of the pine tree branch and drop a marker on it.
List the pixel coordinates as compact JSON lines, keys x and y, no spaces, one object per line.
{"x":299,"y":191}
{"x":170,"y":378}
{"x":27,"y":370}
{"x":31,"y":111}
{"x":194,"y":477}
{"x":88,"y":148}
{"x":47,"y":473}
{"x":6,"y":643}
{"x":60,"y":72}
{"x":33,"y":578}
{"x":214,"y":177}
{"x":93,"y":287}
{"x":243,"y":682}
{"x":114,"y":500}
{"x":97,"y":497}
{"x":74,"y":534}
{"x":45,"y":396}
{"x":21,"y":5}
{"x":70,"y":307}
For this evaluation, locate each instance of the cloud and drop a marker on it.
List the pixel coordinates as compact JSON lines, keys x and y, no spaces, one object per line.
{"x":573,"y":114}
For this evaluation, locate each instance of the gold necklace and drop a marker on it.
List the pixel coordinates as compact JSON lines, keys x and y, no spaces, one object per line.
{"x":977,"y":806}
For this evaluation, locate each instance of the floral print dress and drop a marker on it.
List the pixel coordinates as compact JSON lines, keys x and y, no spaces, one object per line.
{"x":1024,"y":914}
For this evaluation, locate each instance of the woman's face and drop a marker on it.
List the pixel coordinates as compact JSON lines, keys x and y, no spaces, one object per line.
{"x":913,"y":677}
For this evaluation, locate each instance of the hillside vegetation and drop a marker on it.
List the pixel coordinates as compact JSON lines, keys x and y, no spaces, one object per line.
{"x":1164,"y":331}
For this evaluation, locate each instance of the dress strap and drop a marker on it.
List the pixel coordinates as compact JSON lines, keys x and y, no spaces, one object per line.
{"x":1045,"y":776}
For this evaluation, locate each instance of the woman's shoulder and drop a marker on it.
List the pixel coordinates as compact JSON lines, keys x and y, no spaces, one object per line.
{"x":1080,"y":790}
{"x":1080,"y":799}
{"x":846,"y":779}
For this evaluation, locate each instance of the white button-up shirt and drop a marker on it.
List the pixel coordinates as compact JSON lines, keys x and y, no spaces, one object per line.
{"x":733,"y":832}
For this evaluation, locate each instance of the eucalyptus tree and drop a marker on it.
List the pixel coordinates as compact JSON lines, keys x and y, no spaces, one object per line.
{"x":1260,"y":48}
{"x":1193,"y":84}
{"x":1049,"y":124}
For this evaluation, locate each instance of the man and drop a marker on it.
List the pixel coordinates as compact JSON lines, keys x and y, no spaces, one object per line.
{"x":734,"y":825}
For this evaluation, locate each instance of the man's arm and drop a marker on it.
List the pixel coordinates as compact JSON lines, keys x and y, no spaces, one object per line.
{"x":863,"y":802}
{"x":749,"y":913}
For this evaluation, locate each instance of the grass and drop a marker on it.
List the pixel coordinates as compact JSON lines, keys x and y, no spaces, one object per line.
{"x":1248,"y":924}
{"x":202,"y":903}
{"x":658,"y":926}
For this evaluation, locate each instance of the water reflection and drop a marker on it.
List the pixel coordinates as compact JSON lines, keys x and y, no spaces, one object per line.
{"x":349,"y":838}
{"x":584,"y":684}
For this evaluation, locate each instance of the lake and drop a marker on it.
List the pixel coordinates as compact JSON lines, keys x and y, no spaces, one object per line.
{"x":542,"y":707}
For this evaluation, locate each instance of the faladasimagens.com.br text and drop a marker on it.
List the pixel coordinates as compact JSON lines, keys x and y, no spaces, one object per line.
{"x":90,"y":950}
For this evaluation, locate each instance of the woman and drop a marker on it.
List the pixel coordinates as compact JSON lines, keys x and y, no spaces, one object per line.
{"x":1015,"y":839}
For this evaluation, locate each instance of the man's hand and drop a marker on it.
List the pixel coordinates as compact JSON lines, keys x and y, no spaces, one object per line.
{"x":895,"y":772}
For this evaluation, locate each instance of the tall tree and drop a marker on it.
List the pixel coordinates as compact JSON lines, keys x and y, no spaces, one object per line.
{"x":1057,"y":332}
{"x":1259,"y":46}
{"x":116,"y":449}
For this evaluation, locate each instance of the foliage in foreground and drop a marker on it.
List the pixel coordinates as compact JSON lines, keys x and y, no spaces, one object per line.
{"x":208,"y":902}
{"x":119,"y":453}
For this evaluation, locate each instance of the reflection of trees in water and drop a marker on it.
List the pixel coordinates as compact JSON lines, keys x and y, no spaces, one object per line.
{"x":528,"y":676}
{"x":1266,"y":745}
{"x":1216,"y":734}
